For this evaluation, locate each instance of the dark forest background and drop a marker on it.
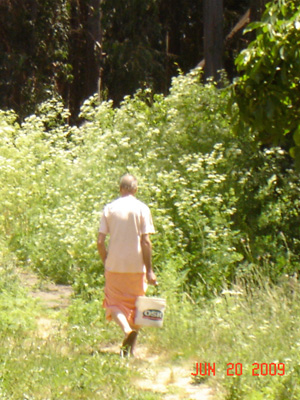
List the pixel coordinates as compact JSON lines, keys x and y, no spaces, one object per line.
{"x":76,"y":48}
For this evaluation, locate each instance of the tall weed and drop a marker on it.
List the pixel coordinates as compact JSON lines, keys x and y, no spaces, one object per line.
{"x":242,"y":327}
{"x":219,"y":201}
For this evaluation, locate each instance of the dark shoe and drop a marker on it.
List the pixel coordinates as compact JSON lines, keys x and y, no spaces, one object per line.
{"x":127,"y":344}
{"x":124,"y":352}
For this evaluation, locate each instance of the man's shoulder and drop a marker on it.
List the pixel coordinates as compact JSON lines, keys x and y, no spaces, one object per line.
{"x":129,"y":200}
{"x":138,"y":203}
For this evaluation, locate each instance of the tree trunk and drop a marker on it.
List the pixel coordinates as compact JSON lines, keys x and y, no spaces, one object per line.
{"x":93,"y":47}
{"x":85,"y":52}
{"x":213,"y":38}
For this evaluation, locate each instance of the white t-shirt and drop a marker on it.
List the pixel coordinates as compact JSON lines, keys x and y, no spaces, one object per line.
{"x":126,"y":220}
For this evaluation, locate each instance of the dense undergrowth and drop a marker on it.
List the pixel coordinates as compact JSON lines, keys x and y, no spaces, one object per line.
{"x":224,"y":208}
{"x":222,"y":205}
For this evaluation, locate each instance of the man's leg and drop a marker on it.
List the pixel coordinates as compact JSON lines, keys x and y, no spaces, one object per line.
{"x":121,"y":320}
{"x":130,"y":334}
{"x":133,"y":345}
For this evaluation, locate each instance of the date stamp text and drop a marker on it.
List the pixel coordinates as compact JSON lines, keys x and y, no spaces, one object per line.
{"x":236,"y":369}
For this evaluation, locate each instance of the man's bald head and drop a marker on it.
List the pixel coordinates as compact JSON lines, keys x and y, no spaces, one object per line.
{"x":128,"y":184}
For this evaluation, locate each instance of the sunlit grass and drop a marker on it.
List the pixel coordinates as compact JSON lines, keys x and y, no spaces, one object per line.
{"x":67,"y":363}
{"x":243,"y":326}
{"x":57,"y":370}
{"x":247,"y":325}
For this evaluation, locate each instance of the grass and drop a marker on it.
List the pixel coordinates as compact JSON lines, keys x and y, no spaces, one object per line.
{"x":57,"y":370}
{"x":66,"y":363}
{"x":241,"y":327}
{"x":246,"y":326}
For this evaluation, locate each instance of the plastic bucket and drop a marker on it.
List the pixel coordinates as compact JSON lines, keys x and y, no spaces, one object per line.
{"x":150,"y":311}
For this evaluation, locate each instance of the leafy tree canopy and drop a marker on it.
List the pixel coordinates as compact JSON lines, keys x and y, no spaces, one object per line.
{"x":33,"y":52}
{"x":75,"y":48}
{"x":267,"y":94}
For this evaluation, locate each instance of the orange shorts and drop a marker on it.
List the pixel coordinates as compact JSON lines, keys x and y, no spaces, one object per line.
{"x":121,"y":291}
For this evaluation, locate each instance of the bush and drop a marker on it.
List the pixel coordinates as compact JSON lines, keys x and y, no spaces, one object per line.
{"x":220,"y":203}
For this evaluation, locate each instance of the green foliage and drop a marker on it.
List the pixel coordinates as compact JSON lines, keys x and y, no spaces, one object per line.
{"x":134,"y":44}
{"x":50,"y":372}
{"x":268,"y":211}
{"x":65,"y":46}
{"x":224,"y":208}
{"x":267,"y":92}
{"x":65,"y":365}
{"x":243,"y":325}
{"x":34,"y":52}
{"x":221,"y":205}
{"x":17,"y":311}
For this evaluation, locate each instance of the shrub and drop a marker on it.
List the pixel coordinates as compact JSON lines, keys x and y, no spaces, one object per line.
{"x":220,"y":202}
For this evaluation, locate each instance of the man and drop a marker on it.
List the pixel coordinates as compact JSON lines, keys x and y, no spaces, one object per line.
{"x":127,"y":261}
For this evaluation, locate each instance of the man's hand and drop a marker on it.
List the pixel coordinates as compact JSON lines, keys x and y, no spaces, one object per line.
{"x":151,"y":278}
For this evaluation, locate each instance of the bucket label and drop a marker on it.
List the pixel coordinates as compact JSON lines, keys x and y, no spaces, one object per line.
{"x":154,"y":315}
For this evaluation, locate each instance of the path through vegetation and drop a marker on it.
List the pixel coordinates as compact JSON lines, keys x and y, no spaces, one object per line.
{"x":173,"y":382}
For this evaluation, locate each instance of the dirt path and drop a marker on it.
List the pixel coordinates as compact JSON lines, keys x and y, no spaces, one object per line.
{"x":173,"y":382}
{"x":52,"y":297}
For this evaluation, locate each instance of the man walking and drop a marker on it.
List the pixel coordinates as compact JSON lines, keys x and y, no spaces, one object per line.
{"x":127,"y":261}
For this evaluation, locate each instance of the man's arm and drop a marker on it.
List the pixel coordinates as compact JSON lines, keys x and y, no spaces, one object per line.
{"x":147,"y":257}
{"x":101,"y":246}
